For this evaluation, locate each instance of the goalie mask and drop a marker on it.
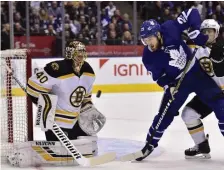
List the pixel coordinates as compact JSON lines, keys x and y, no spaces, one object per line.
{"x":77,"y":52}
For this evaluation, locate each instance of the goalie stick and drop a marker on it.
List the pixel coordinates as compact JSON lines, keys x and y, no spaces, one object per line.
{"x":81,"y":160}
{"x":139,"y":154}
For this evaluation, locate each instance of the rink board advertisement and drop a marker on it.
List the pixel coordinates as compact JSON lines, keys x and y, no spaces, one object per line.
{"x":114,"y":75}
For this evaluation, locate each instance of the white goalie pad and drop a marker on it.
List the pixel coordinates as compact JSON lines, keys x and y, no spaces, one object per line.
{"x":90,"y":120}
{"x":39,"y":153}
{"x":46,"y":111}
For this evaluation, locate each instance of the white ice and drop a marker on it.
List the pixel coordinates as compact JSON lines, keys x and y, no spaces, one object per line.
{"x":129,"y":116}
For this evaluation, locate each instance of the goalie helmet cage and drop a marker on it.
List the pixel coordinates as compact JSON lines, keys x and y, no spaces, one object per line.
{"x":16,"y":107}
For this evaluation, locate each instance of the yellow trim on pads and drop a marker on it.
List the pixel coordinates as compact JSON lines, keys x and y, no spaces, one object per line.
{"x":109,"y":88}
{"x":49,"y":157}
{"x":64,"y":120}
{"x":38,"y":87}
{"x":67,"y":113}
{"x":88,"y":74}
{"x":67,"y":76}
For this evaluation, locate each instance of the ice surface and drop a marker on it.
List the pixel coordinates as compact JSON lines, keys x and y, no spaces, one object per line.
{"x":129,"y":116}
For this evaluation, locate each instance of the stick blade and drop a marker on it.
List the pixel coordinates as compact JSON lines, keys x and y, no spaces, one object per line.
{"x":131,"y":156}
{"x":102,"y":159}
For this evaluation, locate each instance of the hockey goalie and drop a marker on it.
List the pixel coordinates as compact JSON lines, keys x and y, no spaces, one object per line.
{"x":62,"y":93}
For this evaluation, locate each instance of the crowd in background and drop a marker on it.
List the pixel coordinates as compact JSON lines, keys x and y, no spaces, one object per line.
{"x":81,"y":18}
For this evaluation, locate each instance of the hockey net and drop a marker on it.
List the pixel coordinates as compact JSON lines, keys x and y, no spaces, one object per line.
{"x":16,"y":108}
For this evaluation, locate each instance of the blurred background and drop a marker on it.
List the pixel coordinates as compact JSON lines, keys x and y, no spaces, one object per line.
{"x":106,"y":27}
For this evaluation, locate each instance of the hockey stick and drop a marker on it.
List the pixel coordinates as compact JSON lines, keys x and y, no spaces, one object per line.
{"x":81,"y":160}
{"x":139,"y":154}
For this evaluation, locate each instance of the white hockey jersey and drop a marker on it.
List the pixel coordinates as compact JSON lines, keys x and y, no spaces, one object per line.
{"x":203,"y":55}
{"x":58,"y":78}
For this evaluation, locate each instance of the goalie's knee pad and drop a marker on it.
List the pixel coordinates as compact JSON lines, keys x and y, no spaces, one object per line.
{"x":93,"y":139}
{"x":190,"y":117}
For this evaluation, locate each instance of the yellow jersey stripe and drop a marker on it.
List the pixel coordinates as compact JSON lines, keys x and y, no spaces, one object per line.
{"x":67,"y":76}
{"x":88,"y":74}
{"x":67,"y":113}
{"x":62,"y":120}
{"x":32,"y":92}
{"x":38,"y":87}
{"x":222,"y":87}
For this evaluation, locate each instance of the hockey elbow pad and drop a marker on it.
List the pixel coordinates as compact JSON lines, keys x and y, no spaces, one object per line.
{"x":198,"y":38}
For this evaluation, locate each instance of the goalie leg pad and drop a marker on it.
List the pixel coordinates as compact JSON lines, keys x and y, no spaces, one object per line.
{"x":36,"y":153}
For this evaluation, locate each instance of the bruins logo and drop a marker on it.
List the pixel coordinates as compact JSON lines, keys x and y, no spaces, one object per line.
{"x":77,"y":96}
{"x":55,"y":66}
{"x":207,"y":66}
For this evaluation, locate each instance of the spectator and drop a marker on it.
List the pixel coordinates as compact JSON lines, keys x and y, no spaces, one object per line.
{"x":50,"y":31}
{"x":112,"y":39}
{"x":127,"y":21}
{"x":82,"y":21}
{"x":83,"y":39}
{"x":43,"y":15}
{"x":18,"y":19}
{"x":36,"y":29}
{"x":219,"y":14}
{"x":209,"y":9}
{"x":19,"y":29}
{"x":118,"y":17}
{"x":93,"y":25}
{"x":105,"y":19}
{"x":5,"y":38}
{"x":34,"y":18}
{"x":110,"y":9}
{"x":179,"y":10}
{"x":198,"y":6}
{"x":35,"y":5}
{"x":71,"y":10}
{"x":126,"y":27}
{"x":166,"y":15}
{"x":127,"y":38}
{"x":55,"y":10}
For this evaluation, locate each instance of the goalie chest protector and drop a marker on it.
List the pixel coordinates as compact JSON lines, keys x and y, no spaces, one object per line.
{"x":59,"y":78}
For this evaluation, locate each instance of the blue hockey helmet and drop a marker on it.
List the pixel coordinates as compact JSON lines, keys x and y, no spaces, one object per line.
{"x":149,"y":28}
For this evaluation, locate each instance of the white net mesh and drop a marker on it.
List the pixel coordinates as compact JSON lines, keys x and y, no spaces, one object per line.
{"x":13,"y":101}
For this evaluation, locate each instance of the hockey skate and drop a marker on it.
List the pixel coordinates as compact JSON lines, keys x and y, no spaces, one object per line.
{"x":200,"y":151}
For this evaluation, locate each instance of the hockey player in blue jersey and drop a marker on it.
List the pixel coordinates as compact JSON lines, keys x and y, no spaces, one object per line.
{"x":165,"y":57}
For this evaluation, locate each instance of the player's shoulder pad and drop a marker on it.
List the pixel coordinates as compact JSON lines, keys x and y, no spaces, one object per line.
{"x":86,"y":68}
{"x":217,"y":50}
{"x":59,"y":68}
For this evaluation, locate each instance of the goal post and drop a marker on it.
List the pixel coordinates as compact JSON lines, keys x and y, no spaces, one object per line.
{"x":16,"y":107}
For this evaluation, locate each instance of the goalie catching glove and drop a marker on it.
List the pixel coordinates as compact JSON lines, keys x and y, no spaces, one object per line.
{"x":90,"y":120}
